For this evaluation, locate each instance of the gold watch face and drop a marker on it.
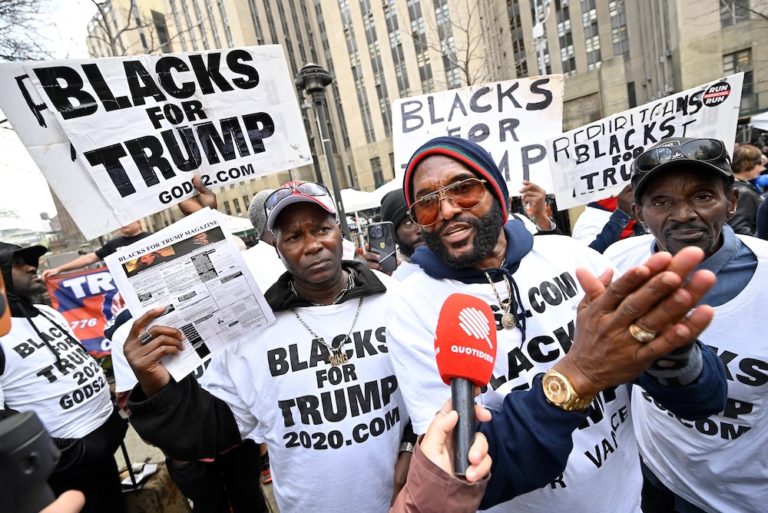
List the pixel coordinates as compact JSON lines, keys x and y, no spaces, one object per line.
{"x":557,"y":389}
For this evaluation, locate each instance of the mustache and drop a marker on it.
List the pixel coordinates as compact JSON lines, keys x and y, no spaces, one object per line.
{"x":463,"y":219}
{"x":675,"y":227}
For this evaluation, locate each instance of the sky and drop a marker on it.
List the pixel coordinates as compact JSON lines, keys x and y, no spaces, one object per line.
{"x":24,"y":190}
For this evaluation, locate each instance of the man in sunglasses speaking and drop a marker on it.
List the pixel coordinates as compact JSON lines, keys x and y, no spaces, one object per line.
{"x":684,"y":194}
{"x":567,"y":340}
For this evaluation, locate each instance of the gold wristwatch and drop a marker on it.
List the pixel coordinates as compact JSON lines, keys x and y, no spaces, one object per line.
{"x":559,"y":392}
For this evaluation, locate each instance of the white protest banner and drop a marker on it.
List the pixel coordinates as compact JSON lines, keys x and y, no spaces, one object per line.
{"x":49,"y":147}
{"x":594,"y":161}
{"x":510,"y":119}
{"x":141,"y":126}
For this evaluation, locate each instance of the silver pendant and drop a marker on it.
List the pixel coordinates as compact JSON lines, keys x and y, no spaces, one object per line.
{"x":337,"y":358}
{"x":508,"y":321}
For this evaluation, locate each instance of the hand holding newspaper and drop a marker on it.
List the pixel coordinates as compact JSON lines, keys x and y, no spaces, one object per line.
{"x":194,"y":270}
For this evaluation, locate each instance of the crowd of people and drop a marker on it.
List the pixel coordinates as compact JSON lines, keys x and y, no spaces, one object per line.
{"x":630,"y":374}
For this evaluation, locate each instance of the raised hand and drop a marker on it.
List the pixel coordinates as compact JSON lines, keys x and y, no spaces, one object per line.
{"x":655,"y":301}
{"x":145,"y":347}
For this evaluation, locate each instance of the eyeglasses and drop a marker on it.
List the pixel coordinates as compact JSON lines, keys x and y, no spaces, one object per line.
{"x":465,"y":194}
{"x":698,"y":149}
{"x":304,"y":188}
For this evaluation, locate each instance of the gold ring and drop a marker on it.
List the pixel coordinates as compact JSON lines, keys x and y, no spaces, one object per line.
{"x":640,"y":334}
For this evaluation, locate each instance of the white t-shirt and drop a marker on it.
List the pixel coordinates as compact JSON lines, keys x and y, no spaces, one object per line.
{"x":333,"y":433}
{"x":264,"y":264}
{"x":404,"y":270}
{"x":720,"y":463}
{"x":125,"y":379}
{"x":70,"y":395}
{"x":603,"y":471}
{"x":590,"y":223}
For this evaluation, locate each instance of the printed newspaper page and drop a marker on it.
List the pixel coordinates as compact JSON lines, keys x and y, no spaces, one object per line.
{"x":195,"y":271}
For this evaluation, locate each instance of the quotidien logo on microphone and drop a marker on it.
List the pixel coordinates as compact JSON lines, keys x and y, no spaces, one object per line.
{"x":475,"y":325}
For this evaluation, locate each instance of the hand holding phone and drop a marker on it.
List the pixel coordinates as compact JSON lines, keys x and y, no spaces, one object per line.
{"x":381,"y":240}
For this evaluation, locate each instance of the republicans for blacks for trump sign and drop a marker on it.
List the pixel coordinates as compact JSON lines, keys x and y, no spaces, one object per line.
{"x":138,"y":128}
{"x":594,"y":161}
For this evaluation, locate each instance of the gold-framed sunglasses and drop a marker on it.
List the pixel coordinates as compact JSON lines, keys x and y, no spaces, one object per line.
{"x":465,"y":194}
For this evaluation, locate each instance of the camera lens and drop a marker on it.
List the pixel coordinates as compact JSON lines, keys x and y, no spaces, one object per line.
{"x":376,"y":232}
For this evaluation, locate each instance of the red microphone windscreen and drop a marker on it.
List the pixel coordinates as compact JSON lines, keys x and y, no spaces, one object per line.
{"x":465,"y":340}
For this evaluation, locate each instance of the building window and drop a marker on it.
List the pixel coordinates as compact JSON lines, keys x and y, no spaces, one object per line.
{"x":631,"y":95}
{"x":581,"y":111}
{"x":619,"y":28}
{"x":591,"y":33}
{"x":256,"y":22}
{"x":177,"y":22}
{"x":735,"y":63}
{"x":212,"y":22}
{"x":227,"y":208}
{"x":733,"y":12}
{"x":236,"y":203}
{"x":378,"y":175}
{"x":245,"y":200}
{"x":377,"y":67}
{"x":162,"y":31}
{"x":565,"y":37}
{"x":518,"y":39}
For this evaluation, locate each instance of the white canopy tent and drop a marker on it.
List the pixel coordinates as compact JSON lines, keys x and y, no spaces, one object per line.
{"x":355,"y":200}
{"x":760,"y":121}
{"x":234,"y":224}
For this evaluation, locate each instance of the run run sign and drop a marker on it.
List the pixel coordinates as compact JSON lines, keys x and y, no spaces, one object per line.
{"x":141,"y":127}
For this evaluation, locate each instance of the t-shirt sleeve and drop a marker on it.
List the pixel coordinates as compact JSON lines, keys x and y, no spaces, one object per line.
{"x":107,"y":249}
{"x":219,"y":380}
{"x":125,"y":379}
{"x":411,"y":347}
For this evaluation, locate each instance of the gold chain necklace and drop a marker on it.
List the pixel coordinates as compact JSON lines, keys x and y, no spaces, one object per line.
{"x":336,"y":357}
{"x":508,"y":319}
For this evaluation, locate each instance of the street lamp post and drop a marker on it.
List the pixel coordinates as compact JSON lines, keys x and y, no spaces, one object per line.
{"x":313,"y":79}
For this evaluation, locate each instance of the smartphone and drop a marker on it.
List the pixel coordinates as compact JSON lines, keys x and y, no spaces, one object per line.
{"x":381,"y":240}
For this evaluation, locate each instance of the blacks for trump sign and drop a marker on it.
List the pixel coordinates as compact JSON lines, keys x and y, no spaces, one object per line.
{"x":140,"y":127}
{"x":594,"y":161}
{"x":510,"y":119}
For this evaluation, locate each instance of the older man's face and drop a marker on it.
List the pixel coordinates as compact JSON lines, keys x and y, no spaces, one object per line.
{"x":686,"y":208}
{"x":461,"y":238}
{"x":308,"y":239}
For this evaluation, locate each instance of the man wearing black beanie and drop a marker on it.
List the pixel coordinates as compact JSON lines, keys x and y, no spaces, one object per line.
{"x":407,"y":233}
{"x":567,"y":340}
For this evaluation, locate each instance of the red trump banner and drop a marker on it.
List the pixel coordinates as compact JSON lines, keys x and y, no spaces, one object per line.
{"x":87,"y":299}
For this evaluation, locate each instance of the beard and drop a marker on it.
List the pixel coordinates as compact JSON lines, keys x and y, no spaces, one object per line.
{"x":487,"y":234}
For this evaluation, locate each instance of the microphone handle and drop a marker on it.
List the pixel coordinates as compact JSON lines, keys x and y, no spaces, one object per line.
{"x":462,"y":396}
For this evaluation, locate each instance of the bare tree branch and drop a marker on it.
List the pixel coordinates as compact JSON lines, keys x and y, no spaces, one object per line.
{"x":19,"y":30}
{"x":135,"y":21}
{"x":470,"y":58}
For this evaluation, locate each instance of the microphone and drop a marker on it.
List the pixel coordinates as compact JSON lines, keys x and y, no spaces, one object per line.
{"x":465,"y":350}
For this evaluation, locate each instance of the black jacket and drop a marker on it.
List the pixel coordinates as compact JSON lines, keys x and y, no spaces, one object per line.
{"x":186,"y":421}
{"x":744,"y":221}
